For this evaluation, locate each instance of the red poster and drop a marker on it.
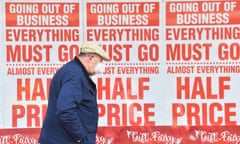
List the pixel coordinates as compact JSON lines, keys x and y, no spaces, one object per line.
{"x":172,"y":77}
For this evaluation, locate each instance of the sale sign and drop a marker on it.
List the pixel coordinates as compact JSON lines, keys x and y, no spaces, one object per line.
{"x":128,"y":31}
{"x":35,"y":47}
{"x":209,"y":61}
{"x":172,"y":77}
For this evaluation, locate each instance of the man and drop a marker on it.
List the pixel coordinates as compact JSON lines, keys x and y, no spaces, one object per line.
{"x":72,"y":113}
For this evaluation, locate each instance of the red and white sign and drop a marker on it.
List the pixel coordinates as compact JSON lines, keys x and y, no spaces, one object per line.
{"x":172,"y":77}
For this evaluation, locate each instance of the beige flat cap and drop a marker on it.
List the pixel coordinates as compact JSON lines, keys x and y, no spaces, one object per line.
{"x":90,"y":47}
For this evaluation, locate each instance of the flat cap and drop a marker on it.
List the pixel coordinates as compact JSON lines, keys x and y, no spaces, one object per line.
{"x":90,"y":47}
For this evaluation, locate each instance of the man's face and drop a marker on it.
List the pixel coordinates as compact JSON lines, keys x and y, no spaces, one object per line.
{"x":94,"y":59}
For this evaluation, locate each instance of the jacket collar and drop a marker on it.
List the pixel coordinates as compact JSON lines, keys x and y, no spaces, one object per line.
{"x":84,"y":69}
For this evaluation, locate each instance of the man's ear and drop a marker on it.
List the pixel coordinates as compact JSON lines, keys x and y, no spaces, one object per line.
{"x":90,"y":57}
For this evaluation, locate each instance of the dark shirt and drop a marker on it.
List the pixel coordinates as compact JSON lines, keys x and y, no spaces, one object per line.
{"x":72,"y":113}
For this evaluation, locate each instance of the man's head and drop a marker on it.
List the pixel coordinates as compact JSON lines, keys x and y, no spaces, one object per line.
{"x":90,"y":47}
{"x":92,"y":56}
